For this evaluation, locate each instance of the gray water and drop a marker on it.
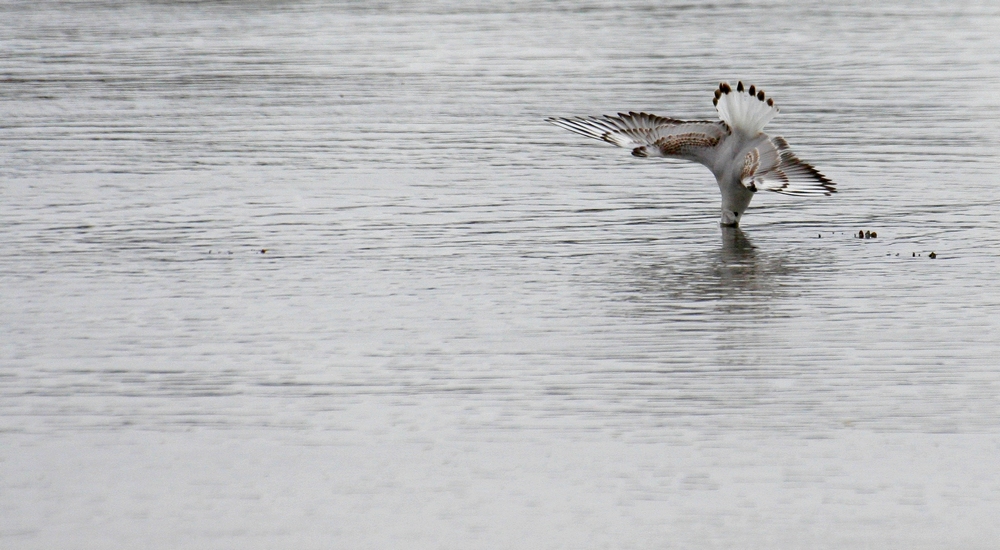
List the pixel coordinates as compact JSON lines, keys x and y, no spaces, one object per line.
{"x":318,"y":275}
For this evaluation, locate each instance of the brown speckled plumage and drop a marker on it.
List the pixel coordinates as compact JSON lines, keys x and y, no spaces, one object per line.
{"x":751,"y":162}
{"x":680,"y":144}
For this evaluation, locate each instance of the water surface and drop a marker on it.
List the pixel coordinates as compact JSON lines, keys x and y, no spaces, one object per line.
{"x":318,"y":273}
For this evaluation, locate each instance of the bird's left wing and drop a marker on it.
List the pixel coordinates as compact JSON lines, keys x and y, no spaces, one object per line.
{"x":650,"y":135}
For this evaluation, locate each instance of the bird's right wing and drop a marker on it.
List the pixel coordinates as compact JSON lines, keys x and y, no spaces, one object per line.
{"x":772,"y":166}
{"x":650,"y":135}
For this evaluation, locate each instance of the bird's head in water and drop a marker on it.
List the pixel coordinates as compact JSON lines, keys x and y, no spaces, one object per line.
{"x":729,"y":218}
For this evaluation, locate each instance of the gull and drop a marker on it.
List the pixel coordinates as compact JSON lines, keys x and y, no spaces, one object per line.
{"x":742,"y":157}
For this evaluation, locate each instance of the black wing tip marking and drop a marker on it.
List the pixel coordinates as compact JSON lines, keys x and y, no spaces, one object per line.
{"x":792,"y":164}
{"x":591,"y":127}
{"x":622,"y":123}
{"x":789,"y":163}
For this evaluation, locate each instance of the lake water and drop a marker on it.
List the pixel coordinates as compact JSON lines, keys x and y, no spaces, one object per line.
{"x":318,"y":275}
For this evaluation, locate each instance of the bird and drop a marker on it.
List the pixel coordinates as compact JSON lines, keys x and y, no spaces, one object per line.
{"x":742,"y":157}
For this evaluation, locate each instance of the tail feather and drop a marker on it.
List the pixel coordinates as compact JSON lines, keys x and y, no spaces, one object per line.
{"x":745,"y":110}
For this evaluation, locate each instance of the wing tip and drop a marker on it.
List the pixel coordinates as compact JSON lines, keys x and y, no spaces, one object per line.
{"x":796,"y":177}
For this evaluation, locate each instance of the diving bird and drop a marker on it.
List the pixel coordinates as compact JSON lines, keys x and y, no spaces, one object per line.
{"x":742,"y":157}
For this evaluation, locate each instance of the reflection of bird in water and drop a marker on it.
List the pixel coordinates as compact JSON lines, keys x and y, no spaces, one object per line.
{"x":736,"y":245}
{"x":737,"y":265}
{"x":735,"y":272}
{"x":742,"y":157}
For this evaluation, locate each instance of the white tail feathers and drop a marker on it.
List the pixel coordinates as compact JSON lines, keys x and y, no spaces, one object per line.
{"x":745,"y":111}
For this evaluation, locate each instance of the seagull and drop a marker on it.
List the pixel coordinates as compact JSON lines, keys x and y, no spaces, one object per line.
{"x":742,"y":157}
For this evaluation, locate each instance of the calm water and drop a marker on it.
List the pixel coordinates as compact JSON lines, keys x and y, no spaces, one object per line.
{"x":289,"y":274}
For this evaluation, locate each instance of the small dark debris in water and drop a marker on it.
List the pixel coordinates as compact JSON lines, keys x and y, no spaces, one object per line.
{"x":932,"y":255}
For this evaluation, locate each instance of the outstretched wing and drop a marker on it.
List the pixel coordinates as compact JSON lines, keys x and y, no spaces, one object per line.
{"x":772,"y":166}
{"x":650,"y":135}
